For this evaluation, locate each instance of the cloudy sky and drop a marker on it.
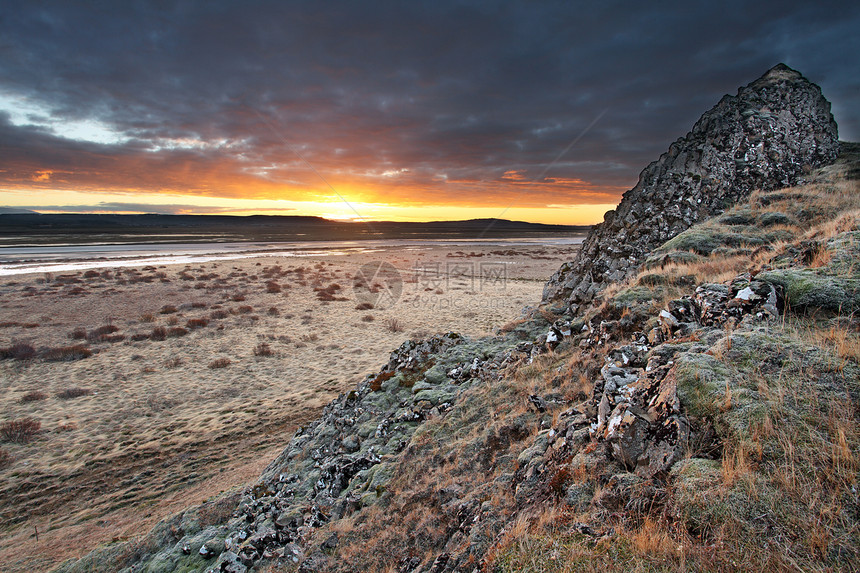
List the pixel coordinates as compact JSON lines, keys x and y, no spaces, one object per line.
{"x":538,"y":111}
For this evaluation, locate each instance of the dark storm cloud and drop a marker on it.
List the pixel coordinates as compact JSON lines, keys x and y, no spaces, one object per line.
{"x":460,"y":91}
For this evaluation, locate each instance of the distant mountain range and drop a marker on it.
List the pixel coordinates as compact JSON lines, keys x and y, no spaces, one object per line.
{"x":137,"y":228}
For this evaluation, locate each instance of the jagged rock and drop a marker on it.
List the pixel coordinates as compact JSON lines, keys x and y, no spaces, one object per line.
{"x":230,"y":563}
{"x":765,"y":137}
{"x":538,"y":402}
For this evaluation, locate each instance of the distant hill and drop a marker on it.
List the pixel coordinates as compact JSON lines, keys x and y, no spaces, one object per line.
{"x":138,"y":228}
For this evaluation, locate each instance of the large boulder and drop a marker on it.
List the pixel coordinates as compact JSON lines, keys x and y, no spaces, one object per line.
{"x":766,"y":137}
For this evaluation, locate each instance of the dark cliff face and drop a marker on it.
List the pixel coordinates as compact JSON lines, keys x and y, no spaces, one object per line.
{"x":766,"y":137}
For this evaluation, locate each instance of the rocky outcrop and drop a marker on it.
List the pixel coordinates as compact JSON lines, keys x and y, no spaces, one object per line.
{"x":766,"y":137}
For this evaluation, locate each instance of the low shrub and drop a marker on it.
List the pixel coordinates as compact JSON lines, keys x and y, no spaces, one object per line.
{"x":158,"y":333}
{"x":102,"y":333}
{"x":176,"y":332}
{"x":34,"y":396}
{"x":168,"y":309}
{"x":263,"y":349}
{"x":273,"y":311}
{"x":273,"y":287}
{"x":80,"y":333}
{"x":364,"y":306}
{"x":5,"y":458}
{"x":112,"y":338}
{"x":197,"y":323}
{"x":245,"y":309}
{"x":328,"y":293}
{"x":74,"y":392}
{"x":219,"y":314}
{"x":18,"y":351}
{"x":220,"y":363}
{"x":393,"y":325}
{"x":20,"y":431}
{"x":67,"y":353}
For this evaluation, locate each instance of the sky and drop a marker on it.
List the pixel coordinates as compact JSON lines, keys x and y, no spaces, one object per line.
{"x":374,"y":110}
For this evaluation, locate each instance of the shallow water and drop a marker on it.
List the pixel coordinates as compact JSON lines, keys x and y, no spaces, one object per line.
{"x":66,"y":258}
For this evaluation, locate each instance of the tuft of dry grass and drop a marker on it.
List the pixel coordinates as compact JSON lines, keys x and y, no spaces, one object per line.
{"x":20,"y":431}
{"x":34,"y":396}
{"x":176,"y":332}
{"x":18,"y":351}
{"x":263,"y":349}
{"x":67,"y":353}
{"x":197,"y":323}
{"x":220,"y":363}
{"x":74,"y":392}
{"x":393,"y":325}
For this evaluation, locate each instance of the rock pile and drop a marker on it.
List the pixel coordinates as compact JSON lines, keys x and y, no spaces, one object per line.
{"x":767,"y":136}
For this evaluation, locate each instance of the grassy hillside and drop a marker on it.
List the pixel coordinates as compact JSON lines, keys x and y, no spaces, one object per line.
{"x":503,"y":454}
{"x":767,"y":482}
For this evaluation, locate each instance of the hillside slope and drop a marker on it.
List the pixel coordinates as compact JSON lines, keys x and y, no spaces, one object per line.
{"x":700,"y":414}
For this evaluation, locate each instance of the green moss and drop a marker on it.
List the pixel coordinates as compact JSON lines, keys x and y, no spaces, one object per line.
{"x":809,"y":290}
{"x":772,"y":218}
{"x":637,"y":295}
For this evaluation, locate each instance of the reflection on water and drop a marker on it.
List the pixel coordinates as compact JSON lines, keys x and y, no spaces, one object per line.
{"x":65,"y":258}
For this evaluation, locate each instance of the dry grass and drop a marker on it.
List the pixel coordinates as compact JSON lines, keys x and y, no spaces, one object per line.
{"x":20,"y":431}
{"x":394,"y":325}
{"x":18,"y":351}
{"x":197,"y":323}
{"x":34,"y":396}
{"x":74,"y":392}
{"x":67,"y":353}
{"x":220,"y":363}
{"x":263,"y":349}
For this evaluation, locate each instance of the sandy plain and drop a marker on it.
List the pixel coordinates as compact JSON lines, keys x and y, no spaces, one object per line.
{"x":200,"y":373}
